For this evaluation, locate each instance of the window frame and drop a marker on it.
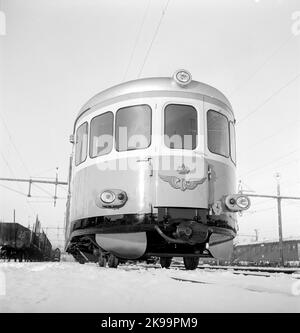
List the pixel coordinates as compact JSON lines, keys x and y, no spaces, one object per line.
{"x":231,"y":122}
{"x":227,"y":129}
{"x":115,"y":132}
{"x":165,"y":124}
{"x":87,"y":143}
{"x":90,"y":134}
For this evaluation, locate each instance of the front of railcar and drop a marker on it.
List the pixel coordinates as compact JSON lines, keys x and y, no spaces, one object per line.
{"x":153,"y":173}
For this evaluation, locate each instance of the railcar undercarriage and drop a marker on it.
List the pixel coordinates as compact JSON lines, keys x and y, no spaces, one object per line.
{"x":115,"y":239}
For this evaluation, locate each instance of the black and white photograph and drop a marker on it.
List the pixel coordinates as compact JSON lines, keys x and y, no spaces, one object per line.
{"x":149,"y":159}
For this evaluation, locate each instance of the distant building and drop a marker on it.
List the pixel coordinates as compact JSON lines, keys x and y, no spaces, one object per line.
{"x":267,"y":252}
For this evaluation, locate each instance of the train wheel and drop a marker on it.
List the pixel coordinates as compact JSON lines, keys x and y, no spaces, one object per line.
{"x":113,"y":261}
{"x":102,"y":260}
{"x":191,"y":263}
{"x":165,"y":262}
{"x":77,"y":257}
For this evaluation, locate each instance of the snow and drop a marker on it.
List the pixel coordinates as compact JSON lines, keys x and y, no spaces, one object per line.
{"x":71,"y":287}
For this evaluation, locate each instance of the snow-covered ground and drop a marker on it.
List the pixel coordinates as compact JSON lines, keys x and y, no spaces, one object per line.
{"x":71,"y":287}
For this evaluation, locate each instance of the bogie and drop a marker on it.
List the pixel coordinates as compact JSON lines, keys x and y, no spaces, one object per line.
{"x":102,"y":260}
{"x":112,"y":261}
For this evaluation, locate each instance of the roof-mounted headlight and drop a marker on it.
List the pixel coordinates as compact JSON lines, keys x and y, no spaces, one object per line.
{"x":182,"y":77}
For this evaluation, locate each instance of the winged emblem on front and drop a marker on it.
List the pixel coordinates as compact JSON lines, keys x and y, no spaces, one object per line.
{"x":181,"y":183}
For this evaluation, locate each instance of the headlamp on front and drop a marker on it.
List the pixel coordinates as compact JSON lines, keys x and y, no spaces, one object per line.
{"x":111,"y":198}
{"x":237,"y":202}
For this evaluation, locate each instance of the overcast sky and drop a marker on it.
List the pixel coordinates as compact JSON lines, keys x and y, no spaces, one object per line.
{"x":56,"y":54}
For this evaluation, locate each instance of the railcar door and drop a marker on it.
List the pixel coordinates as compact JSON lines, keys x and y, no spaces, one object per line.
{"x":134,"y":150}
{"x":180,"y":172}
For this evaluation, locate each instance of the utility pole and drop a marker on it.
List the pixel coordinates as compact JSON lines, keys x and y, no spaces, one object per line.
{"x":277,"y":176}
{"x":256,"y":234}
{"x":31,"y":181}
{"x":56,"y":183}
{"x":15,"y":227}
{"x":278,"y":198}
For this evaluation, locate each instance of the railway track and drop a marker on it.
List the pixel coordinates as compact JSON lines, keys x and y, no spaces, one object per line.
{"x":248,"y":271}
{"x":258,"y":271}
{"x":252,"y":271}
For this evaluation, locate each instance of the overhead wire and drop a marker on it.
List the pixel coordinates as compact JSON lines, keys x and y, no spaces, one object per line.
{"x":43,"y":190}
{"x":13,"y":174}
{"x":251,"y":212}
{"x":136,"y":40}
{"x":14,"y":145}
{"x":262,"y":65}
{"x":270,"y":163}
{"x":153,"y":38}
{"x":13,"y":190}
{"x":280,"y":130}
{"x":268,"y":99}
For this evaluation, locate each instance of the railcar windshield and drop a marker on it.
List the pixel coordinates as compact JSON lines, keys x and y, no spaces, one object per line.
{"x":101,"y":134}
{"x":81,"y":143}
{"x":232,"y":142}
{"x":133,"y":127}
{"x":217,"y":133}
{"x":180,"y":126}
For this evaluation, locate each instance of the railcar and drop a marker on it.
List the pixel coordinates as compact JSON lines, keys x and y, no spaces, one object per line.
{"x":20,"y":243}
{"x":15,"y":241}
{"x":153,"y":174}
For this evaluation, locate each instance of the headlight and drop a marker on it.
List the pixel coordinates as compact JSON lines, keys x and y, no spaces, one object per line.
{"x":243,"y":202}
{"x":107,"y":196}
{"x":237,"y":202}
{"x":182,"y":77}
{"x":111,"y":198}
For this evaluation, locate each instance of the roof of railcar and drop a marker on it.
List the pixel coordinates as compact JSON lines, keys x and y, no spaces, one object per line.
{"x":136,"y":88}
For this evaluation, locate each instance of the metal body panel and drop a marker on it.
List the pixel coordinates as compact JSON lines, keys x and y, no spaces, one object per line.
{"x":173,"y":189}
{"x":222,"y":180}
{"x":160,"y":86}
{"x":128,"y":246}
{"x":171,"y":183}
{"x":143,"y":180}
{"x":90,"y":182}
{"x":223,"y":250}
{"x":145,"y":191}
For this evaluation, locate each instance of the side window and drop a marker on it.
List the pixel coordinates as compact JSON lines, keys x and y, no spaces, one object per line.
{"x":232,"y":142}
{"x":133,"y":127}
{"x":81,"y":143}
{"x":217,"y":133}
{"x":180,"y":126}
{"x":101,"y":134}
